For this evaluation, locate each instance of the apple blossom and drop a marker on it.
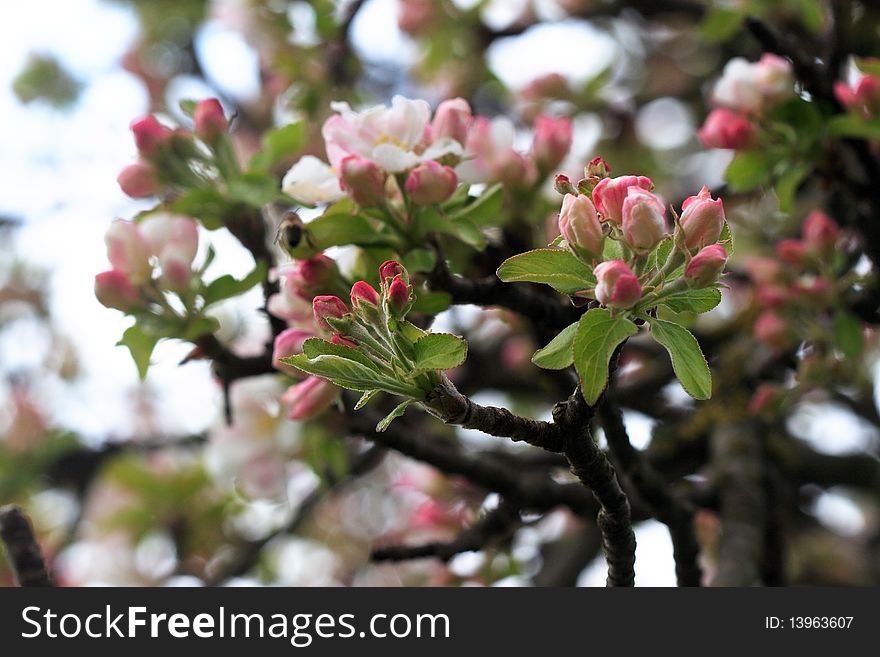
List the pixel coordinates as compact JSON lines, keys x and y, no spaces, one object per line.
{"x":702,"y":219}
{"x":392,"y":137}
{"x":771,"y":329}
{"x":750,"y":87}
{"x":399,"y":296}
{"x":644,"y":219}
{"x":617,"y":285}
{"x":792,"y":251}
{"x":288,"y":303}
{"x":609,"y":194}
{"x":579,"y":224}
{"x":430,"y":183}
{"x":167,"y":231}
{"x":362,"y":292}
{"x":491,"y":156}
{"x":863,"y":96}
{"x":725,"y":128}
{"x":389,"y":270}
{"x":312,"y":181}
{"x":313,"y":275}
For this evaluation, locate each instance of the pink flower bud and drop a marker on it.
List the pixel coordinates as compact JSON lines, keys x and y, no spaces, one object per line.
{"x":138,"y":180}
{"x":644,"y":219}
{"x":363,"y":180}
{"x":328,"y":306}
{"x":289,"y":343}
{"x":705,"y":267}
{"x":771,"y":295}
{"x":579,"y":224}
{"x":597,"y":168}
{"x":128,"y":251}
{"x":149,"y":134}
{"x":771,"y":329}
{"x":389,"y":270}
{"x":552,"y":85}
{"x":820,"y":231}
{"x":764,"y":270}
{"x":725,"y":128}
{"x":515,"y":170}
{"x":114,"y":290}
{"x":610,"y":193}
{"x":551,"y":141}
{"x":702,"y":219}
{"x":313,"y":275}
{"x":765,"y":396}
{"x":363,"y":292}
{"x":451,"y":120}
{"x":399,"y":295}
{"x":416,"y":16}
{"x":562,"y":184}
{"x":863,"y":97}
{"x":617,"y":286}
{"x":430,"y":183}
{"x":209,"y":119}
{"x":792,"y":251}
{"x":309,"y":398}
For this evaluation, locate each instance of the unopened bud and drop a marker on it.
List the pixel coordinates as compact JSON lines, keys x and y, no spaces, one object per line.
{"x":149,"y":134}
{"x":610,"y":193}
{"x":313,"y":275}
{"x":820,"y":231}
{"x":114,"y":290}
{"x":579,"y":224}
{"x":209,"y":119}
{"x":562,"y":184}
{"x":551,"y":141}
{"x":616,"y":285}
{"x":389,"y":270}
{"x":705,"y":267}
{"x":309,"y":398}
{"x":644,"y":220}
{"x":399,"y":297}
{"x":289,"y":343}
{"x":328,"y":306}
{"x":451,"y":120}
{"x":702,"y":220}
{"x":138,"y":180}
{"x":430,"y":183}
{"x":597,"y":168}
{"x":363,"y":180}
{"x":362,"y":292}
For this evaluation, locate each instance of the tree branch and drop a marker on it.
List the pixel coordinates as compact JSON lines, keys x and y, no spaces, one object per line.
{"x":654,"y":491}
{"x":22,"y":549}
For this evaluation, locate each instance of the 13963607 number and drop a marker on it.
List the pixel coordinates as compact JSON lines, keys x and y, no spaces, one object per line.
{"x":820,"y":622}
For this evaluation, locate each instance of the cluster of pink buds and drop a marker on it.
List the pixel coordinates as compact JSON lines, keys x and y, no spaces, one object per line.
{"x":743,"y":94}
{"x":167,"y":243}
{"x":625,"y":209}
{"x":162,"y":151}
{"x":795,"y":286}
{"x":861,"y":97}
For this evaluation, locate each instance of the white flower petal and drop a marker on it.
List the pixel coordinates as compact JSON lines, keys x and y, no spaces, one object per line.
{"x":394,"y":159}
{"x":312,"y":181}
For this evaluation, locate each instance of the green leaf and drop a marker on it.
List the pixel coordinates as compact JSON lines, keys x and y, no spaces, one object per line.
{"x":431,"y":303}
{"x":559,"y":352}
{"x":366,"y":398}
{"x":555,"y":267}
{"x":254,"y":189}
{"x":430,"y":220}
{"x":227,"y":286}
{"x":848,"y":334}
{"x":688,"y":362}
{"x":853,"y":125}
{"x":278,"y":145}
{"x":410,"y":331}
{"x":419,"y":260}
{"x":720,"y":24}
{"x":612,"y":250}
{"x":188,"y":107}
{"x":393,"y":415}
{"x":598,"y":335}
{"x":207,"y":205}
{"x":439,"y":351}
{"x":140,"y":345}
{"x":748,"y":170}
{"x":336,"y":229}
{"x":694,"y":301}
{"x":484,"y":210}
{"x":350,"y":374}
{"x":788,"y":184}
{"x":314,"y":347}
